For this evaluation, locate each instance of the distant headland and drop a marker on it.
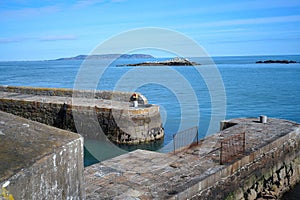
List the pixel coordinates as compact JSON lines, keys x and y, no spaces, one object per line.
{"x":172,"y":62}
{"x":108,"y":56}
{"x":276,"y":61}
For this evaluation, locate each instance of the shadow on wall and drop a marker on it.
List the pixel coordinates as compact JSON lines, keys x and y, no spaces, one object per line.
{"x":62,"y":119}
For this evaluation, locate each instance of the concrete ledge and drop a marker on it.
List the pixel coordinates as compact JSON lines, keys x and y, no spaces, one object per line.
{"x":269,"y":167}
{"x":64,"y":92}
{"x":39,"y":161}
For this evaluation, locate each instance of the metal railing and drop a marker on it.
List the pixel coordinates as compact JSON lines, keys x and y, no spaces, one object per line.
{"x":185,"y":138}
{"x":232,"y":147}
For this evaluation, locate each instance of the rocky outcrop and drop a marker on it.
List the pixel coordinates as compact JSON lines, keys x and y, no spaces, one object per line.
{"x":276,"y":61}
{"x":172,"y":62}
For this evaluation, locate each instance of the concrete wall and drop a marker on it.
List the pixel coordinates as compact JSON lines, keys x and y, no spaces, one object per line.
{"x":265,"y":173}
{"x":39,"y":161}
{"x":108,"y":95}
{"x":120,"y":125}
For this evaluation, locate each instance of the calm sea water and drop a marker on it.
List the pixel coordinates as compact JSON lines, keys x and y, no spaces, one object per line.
{"x":251,"y":89}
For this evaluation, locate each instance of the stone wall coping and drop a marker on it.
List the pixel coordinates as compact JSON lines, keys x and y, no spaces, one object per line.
{"x":78,"y":103}
{"x":66,"y":92}
{"x":23,"y":142}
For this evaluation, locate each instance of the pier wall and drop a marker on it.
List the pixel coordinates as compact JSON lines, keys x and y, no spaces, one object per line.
{"x":38,"y":161}
{"x":54,"y":107}
{"x":268,"y":172}
{"x":269,"y":167}
{"x":63,"y":92}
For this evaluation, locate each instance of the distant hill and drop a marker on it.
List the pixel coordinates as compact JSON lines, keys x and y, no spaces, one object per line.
{"x":107,"y":56}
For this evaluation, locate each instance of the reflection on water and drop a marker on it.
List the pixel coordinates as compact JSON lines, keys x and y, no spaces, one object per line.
{"x":152,"y":146}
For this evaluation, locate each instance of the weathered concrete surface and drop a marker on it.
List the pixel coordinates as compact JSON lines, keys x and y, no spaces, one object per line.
{"x":63,"y":92}
{"x":41,"y":162}
{"x":105,"y":113}
{"x":269,"y":167}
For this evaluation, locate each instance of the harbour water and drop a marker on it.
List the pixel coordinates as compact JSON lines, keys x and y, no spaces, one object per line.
{"x":251,"y":89}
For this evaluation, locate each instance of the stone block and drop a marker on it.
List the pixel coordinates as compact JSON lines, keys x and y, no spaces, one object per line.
{"x":39,"y":161}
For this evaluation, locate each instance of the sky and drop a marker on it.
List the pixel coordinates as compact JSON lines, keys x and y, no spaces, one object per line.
{"x":49,"y":29}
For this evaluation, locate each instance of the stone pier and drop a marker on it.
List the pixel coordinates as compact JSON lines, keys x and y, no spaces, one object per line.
{"x":90,"y":113}
{"x":268,"y":167}
{"x":246,"y":159}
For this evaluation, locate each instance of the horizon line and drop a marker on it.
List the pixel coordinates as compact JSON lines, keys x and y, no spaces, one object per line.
{"x":214,"y":56}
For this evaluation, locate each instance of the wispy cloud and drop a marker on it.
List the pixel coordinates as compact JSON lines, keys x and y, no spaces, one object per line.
{"x":117,"y":1}
{"x":264,"y":20}
{"x":28,"y":12}
{"x":58,"y":37}
{"x":234,"y":30}
{"x":43,"y":39}
{"x":258,"y":5}
{"x":249,"y":21}
{"x":263,"y":39}
{"x":87,"y":3}
{"x":12,"y":40}
{"x":228,"y":7}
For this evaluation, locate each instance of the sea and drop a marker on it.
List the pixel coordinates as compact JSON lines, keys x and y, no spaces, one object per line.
{"x":220,"y":88}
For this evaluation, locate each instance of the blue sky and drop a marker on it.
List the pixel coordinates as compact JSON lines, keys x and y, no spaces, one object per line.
{"x":37,"y":30}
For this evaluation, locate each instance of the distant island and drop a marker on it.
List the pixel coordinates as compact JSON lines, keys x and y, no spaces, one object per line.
{"x":108,"y":56}
{"x":172,"y":62}
{"x":276,"y":61}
